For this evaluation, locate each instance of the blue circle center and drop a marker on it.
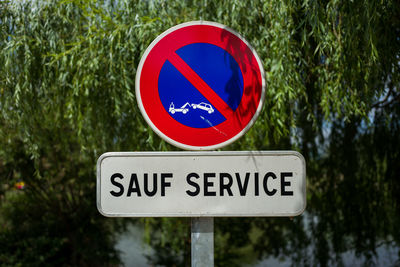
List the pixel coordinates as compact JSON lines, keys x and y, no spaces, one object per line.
{"x":184,"y":102}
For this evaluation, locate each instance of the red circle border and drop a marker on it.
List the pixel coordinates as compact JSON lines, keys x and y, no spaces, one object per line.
{"x":162,"y":122}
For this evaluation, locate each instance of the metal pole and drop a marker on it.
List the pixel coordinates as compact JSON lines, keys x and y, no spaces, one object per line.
{"x":202,"y":241}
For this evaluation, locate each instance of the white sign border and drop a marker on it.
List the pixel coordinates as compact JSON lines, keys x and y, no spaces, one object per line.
{"x":199,"y":154}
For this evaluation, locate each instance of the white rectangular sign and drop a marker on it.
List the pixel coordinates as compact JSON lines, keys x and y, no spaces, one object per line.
{"x":191,"y":184}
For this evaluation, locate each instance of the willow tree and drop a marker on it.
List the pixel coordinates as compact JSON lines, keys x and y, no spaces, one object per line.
{"x":67,"y":95}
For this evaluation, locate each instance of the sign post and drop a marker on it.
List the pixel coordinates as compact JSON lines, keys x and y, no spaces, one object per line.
{"x":200,"y":86}
{"x":202,"y":241}
{"x":201,"y":185}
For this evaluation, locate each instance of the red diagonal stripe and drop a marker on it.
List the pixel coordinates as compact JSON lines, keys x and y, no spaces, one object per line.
{"x":201,"y":85}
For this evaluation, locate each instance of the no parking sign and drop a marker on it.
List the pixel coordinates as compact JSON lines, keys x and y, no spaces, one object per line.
{"x":200,"y":85}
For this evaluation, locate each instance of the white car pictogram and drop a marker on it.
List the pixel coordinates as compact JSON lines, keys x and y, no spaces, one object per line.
{"x":204,"y":106}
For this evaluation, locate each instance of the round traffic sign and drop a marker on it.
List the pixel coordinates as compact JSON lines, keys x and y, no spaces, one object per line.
{"x":200,"y":85}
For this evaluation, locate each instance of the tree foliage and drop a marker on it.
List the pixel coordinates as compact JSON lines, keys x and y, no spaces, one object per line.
{"x":67,"y":95}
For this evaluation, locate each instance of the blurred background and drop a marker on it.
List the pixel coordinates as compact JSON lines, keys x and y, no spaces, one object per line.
{"x":67,"y":95}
